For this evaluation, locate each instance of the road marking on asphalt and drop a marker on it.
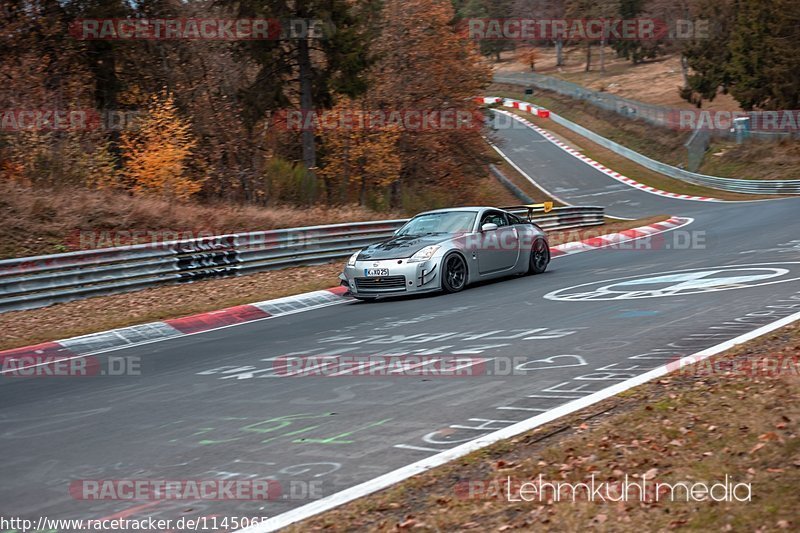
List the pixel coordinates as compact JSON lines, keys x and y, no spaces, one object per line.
{"x":576,"y":360}
{"x":600,"y":168}
{"x":680,"y":283}
{"x":94,"y":342}
{"x":401,"y":474}
{"x":527,"y":177}
{"x":177,"y":335}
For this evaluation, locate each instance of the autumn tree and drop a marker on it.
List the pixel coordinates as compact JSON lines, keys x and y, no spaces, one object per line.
{"x":784,"y":69}
{"x":750,"y":53}
{"x":529,"y":56}
{"x":361,"y":157}
{"x":488,"y":9}
{"x":158,"y":152}
{"x":637,"y":50}
{"x":41,"y":68}
{"x":426,"y":66}
{"x":544,"y":9}
{"x":593,"y":9}
{"x":308,"y":71}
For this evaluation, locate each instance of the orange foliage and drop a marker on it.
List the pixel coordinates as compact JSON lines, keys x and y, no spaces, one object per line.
{"x":529,"y":56}
{"x":157,"y":153}
{"x":359,"y":159}
{"x":424,"y":66}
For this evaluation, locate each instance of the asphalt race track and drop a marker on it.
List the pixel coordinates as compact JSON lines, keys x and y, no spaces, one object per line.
{"x":209,"y":406}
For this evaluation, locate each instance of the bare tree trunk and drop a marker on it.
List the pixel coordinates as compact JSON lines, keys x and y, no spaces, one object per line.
{"x":559,"y":53}
{"x":306,"y":102}
{"x":685,"y":70}
{"x":588,"y":56}
{"x":603,"y":52}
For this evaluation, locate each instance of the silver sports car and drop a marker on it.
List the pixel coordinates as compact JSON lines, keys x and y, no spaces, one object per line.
{"x":446,"y":250}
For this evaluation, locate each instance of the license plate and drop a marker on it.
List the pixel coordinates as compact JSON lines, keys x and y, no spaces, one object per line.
{"x":376,"y":272}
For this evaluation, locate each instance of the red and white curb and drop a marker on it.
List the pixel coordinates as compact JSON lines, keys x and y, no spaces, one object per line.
{"x":620,"y":238}
{"x":515,"y":104}
{"x":529,"y":108}
{"x":115,"y":339}
{"x":95,"y":343}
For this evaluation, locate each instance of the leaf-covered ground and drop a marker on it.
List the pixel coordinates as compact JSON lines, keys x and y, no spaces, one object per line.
{"x":736,"y":415}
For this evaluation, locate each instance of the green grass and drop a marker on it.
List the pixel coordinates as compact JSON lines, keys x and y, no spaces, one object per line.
{"x":751,"y":160}
{"x":628,"y":168}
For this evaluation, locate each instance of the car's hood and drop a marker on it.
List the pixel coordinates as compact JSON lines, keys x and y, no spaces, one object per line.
{"x":401,"y":247}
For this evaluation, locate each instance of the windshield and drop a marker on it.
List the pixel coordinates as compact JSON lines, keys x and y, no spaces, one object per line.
{"x":445,"y":222}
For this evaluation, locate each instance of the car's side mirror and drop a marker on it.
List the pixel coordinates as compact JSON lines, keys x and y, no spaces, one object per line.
{"x":489,"y":227}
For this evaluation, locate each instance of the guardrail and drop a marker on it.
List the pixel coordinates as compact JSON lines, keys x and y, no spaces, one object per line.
{"x":766,"y":187}
{"x":662,"y":116}
{"x":715,"y":182}
{"x":31,"y":282}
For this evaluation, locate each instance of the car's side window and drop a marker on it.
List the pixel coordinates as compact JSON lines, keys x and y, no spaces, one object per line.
{"x":493,"y":217}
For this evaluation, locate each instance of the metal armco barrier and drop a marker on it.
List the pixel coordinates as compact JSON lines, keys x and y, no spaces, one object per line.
{"x":715,"y":182}
{"x":662,"y":116}
{"x":766,"y":187}
{"x":31,"y":282}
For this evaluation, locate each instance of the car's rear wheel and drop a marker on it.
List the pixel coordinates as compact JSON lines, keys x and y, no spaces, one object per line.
{"x":454,"y":273}
{"x":540,"y":257}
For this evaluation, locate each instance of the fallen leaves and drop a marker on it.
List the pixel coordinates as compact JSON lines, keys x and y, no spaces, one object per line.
{"x":107,"y":312}
{"x":727,"y":426}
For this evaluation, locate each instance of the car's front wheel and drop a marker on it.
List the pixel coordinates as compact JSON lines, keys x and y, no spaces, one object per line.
{"x":540,"y":257}
{"x":454,"y":273}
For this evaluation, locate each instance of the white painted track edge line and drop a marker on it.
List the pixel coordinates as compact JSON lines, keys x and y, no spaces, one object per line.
{"x":171,"y":337}
{"x":401,"y":474}
{"x":646,"y":188}
{"x":527,"y":176}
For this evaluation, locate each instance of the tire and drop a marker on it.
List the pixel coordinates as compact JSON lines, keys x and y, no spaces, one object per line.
{"x":539,"y":258}
{"x":454,"y":273}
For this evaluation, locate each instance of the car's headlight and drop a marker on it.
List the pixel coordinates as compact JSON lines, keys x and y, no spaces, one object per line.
{"x":352,"y":261}
{"x":424,"y":254}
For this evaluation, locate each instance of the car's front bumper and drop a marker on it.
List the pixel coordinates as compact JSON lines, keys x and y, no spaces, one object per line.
{"x":404,"y":278}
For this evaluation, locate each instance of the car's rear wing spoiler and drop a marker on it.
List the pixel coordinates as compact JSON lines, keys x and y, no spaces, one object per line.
{"x":546,"y":207}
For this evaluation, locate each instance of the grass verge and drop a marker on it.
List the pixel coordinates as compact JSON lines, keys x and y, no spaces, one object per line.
{"x":695,"y":425}
{"x":23,"y":328}
{"x":752,"y":160}
{"x":40,"y":221}
{"x":628,"y":168}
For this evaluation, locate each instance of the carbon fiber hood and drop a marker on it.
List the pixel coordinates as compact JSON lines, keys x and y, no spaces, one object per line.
{"x":401,"y":247}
